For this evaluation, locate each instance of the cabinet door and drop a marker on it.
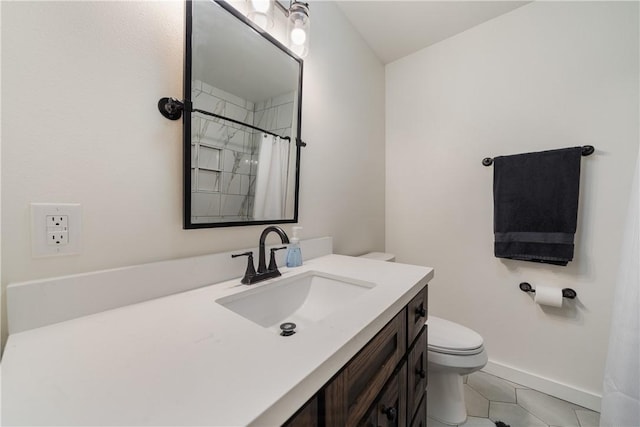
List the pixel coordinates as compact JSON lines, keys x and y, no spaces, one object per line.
{"x":371,"y":419}
{"x":417,"y":373}
{"x":356,"y":387}
{"x":416,"y":315}
{"x":420,"y":418}
{"x":391,"y":407}
{"x":306,"y":417}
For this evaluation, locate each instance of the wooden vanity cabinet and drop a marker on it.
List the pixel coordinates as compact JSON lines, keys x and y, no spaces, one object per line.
{"x":390,"y":410}
{"x":416,"y":315}
{"x":350,"y":394}
{"x":417,"y":372}
{"x":307,"y":416}
{"x":384,"y":384}
{"x":420,"y":417}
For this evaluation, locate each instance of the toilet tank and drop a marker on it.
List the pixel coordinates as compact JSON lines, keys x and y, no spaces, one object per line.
{"x":380,"y":256}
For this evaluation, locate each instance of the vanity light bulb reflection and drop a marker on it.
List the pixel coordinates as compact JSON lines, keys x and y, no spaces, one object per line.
{"x":261,"y":5}
{"x":261,"y":13}
{"x":261,"y":20}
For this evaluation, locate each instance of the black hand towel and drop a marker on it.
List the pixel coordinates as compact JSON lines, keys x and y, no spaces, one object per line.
{"x":535,"y":205}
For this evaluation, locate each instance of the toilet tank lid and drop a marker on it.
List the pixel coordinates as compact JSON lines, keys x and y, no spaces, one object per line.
{"x":380,"y":256}
{"x":445,"y":334}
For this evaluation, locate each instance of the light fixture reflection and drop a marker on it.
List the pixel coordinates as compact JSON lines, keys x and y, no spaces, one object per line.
{"x":261,"y":12}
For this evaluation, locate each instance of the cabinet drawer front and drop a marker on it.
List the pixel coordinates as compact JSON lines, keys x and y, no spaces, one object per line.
{"x":417,"y":373}
{"x":353,"y":391}
{"x":416,"y":315}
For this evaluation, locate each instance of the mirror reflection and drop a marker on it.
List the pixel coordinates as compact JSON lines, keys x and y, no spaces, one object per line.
{"x":245,"y":91}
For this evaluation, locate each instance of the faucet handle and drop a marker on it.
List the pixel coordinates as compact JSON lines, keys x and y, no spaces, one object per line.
{"x":249,"y":254}
{"x":272,"y":259}
{"x":250,"y":271}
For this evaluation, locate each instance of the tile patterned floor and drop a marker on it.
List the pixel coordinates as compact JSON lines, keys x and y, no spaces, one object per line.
{"x":489,"y":399}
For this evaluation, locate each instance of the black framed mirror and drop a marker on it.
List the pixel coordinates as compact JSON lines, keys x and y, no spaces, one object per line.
{"x":242,"y":121}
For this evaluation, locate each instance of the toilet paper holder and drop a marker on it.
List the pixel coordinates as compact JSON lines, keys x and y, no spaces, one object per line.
{"x":566,"y":292}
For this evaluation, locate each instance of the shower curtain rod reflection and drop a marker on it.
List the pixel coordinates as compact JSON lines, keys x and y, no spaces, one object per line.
{"x":238,"y":122}
{"x":172,"y":109}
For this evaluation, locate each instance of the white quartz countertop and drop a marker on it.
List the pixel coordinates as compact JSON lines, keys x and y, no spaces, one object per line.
{"x":186,"y":360}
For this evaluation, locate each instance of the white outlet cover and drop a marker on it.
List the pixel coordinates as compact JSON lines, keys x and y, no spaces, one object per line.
{"x":40,"y":229}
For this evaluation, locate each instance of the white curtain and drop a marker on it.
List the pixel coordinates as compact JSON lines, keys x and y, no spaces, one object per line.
{"x":621,"y":389}
{"x":271,"y":178}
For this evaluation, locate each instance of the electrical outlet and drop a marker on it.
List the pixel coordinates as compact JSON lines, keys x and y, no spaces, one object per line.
{"x":57,"y":222}
{"x":57,"y":238}
{"x":55,"y":229}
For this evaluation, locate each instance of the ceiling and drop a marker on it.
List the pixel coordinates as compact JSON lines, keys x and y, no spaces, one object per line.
{"x":394,"y":29}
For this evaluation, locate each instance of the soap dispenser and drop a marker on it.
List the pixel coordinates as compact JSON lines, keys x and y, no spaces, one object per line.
{"x":294,"y":255}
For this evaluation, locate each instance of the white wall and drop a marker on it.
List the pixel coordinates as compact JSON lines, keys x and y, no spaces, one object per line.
{"x":547,"y":75}
{"x":80,"y":83}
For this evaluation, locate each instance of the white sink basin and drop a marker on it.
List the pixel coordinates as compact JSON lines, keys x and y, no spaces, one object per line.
{"x":302,"y":299}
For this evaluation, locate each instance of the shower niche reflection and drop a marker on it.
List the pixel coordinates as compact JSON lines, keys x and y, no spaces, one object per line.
{"x":242,"y":135}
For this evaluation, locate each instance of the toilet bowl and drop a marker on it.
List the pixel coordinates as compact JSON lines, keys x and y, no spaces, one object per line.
{"x":452,"y":351}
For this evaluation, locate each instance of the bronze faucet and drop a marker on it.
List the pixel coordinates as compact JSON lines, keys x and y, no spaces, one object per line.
{"x":264,"y":272}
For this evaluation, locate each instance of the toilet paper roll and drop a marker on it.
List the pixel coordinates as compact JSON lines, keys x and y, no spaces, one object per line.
{"x":548,"y":296}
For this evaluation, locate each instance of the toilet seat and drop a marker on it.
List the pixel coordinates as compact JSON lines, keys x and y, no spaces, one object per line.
{"x":451,"y":338}
{"x":455,"y":352}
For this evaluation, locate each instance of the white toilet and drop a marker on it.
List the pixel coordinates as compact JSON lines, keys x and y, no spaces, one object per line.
{"x":452,"y":351}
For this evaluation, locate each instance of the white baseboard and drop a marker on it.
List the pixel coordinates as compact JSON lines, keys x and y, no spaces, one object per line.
{"x":553,"y":388}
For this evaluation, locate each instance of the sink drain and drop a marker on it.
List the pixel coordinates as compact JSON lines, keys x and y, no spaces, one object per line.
{"x":287,"y":328}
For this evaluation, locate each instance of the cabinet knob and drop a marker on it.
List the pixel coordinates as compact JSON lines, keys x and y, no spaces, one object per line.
{"x":421,"y":311}
{"x":421,"y":373}
{"x":390,"y":412}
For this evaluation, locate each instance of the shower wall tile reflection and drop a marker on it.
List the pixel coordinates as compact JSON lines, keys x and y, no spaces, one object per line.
{"x":276,"y":114}
{"x":235,"y":184}
{"x":237,"y":162}
{"x":208,"y":158}
{"x":225,"y":155}
{"x":208,"y":181}
{"x":205,"y":204}
{"x":234,"y":205}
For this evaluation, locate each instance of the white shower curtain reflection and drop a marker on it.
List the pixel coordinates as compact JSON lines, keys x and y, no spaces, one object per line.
{"x":271,"y":178}
{"x":621,"y":388}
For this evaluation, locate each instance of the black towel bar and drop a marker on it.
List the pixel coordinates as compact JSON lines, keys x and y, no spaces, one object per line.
{"x":587,"y":150}
{"x":566,"y":292}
